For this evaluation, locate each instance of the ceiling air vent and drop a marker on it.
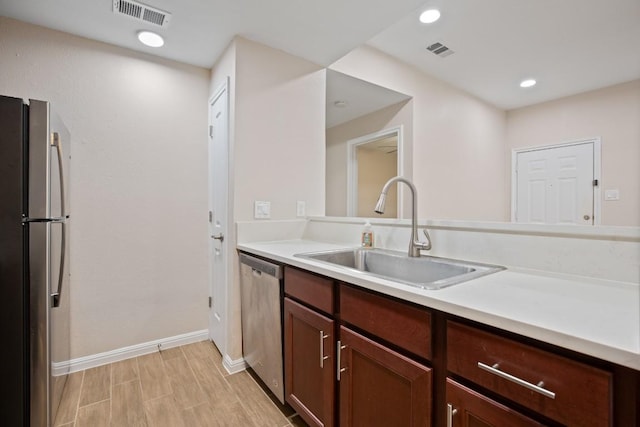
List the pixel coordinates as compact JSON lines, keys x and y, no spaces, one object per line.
{"x":141,"y":12}
{"x":439,"y":49}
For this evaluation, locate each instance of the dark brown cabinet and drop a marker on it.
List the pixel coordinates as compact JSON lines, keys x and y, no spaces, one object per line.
{"x":309,"y":373}
{"x":559,"y":388}
{"x":467,"y":408}
{"x":355,"y":357}
{"x":375,"y":385}
{"x":379,"y":387}
{"x":396,"y":322}
{"x":316,"y":291}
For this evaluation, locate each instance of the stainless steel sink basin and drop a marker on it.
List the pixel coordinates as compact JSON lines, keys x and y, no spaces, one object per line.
{"x":425,"y":272}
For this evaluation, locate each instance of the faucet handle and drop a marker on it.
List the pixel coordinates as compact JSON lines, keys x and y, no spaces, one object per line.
{"x":425,"y":246}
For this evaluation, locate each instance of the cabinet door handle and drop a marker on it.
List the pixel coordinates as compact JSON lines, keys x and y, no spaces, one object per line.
{"x":322,"y":356}
{"x":339,"y":369}
{"x":450,"y":413}
{"x":535,"y":387}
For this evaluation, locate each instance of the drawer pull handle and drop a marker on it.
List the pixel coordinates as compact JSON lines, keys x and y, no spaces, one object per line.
{"x":339,"y":368}
{"x":322,"y":356}
{"x":450,"y":413}
{"x":537,"y":388}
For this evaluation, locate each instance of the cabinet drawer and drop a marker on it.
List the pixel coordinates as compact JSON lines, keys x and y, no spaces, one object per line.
{"x":576,"y":394}
{"x":316,"y":291}
{"x":399,"y":323}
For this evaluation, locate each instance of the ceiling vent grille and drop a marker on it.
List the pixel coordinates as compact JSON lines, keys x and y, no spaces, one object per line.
{"x":141,"y":12}
{"x":439,"y":49}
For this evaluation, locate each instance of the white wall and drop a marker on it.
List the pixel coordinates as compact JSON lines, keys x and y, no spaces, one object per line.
{"x":138,"y":181}
{"x":279,"y":146}
{"x":375,"y":168}
{"x":458,"y":140}
{"x":337,"y":137}
{"x":276,"y":142}
{"x":613,"y":114}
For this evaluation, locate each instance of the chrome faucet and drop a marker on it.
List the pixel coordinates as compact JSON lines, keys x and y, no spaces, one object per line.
{"x":415,"y":245}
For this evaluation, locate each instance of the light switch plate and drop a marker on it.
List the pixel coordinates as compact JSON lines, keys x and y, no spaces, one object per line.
{"x":301,"y":208}
{"x":261,"y":210}
{"x":612,"y":194}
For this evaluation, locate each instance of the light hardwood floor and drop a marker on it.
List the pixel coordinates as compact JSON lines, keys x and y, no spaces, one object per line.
{"x":178,"y":387}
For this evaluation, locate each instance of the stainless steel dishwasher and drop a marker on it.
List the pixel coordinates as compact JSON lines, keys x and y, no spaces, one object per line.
{"x":261,"y":289}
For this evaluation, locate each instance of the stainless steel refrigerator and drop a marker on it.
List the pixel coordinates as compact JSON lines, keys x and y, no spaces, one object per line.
{"x":34,"y":261}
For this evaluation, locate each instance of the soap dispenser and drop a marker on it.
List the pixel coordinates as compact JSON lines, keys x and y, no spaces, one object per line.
{"x":367,"y":236}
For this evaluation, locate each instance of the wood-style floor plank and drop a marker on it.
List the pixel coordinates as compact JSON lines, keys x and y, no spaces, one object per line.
{"x":164,"y":412}
{"x":260,"y":408}
{"x":187,"y":395}
{"x":198,"y":349}
{"x":214,"y":386}
{"x":186,"y":390}
{"x":125,"y":371}
{"x":170,"y":353}
{"x":126,"y":405}
{"x":94,"y":415}
{"x":154,"y":380}
{"x":222,"y":415}
{"x":178,"y":369}
{"x":96,"y":385}
{"x":178,"y":387}
{"x":68,"y":408}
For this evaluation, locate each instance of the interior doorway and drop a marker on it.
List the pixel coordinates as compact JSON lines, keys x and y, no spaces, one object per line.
{"x":371,"y":161}
{"x":557,"y":184}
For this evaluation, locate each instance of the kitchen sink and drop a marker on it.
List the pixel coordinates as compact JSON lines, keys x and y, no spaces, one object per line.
{"x":425,"y":272}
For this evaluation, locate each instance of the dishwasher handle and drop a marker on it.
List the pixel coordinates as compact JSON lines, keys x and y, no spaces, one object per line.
{"x":261,"y":265}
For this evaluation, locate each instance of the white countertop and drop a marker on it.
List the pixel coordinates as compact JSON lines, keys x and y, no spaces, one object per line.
{"x":595,"y":317}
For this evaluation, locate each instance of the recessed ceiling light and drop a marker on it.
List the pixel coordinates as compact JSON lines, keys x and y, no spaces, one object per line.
{"x":528,"y":83}
{"x":429,"y":16}
{"x":340,"y":104}
{"x":150,"y":39}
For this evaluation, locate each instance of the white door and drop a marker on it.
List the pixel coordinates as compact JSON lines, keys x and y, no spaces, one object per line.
{"x":555,"y":185}
{"x":218,"y":205}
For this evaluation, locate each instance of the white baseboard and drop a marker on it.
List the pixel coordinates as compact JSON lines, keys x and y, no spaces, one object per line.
{"x":233,"y":366}
{"x":123,"y":353}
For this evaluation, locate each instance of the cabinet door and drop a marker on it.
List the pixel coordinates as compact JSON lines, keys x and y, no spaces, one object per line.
{"x":308,"y":361}
{"x":379,"y":387}
{"x":467,"y":408}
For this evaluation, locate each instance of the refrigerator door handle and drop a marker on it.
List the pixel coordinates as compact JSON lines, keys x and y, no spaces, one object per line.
{"x":55,"y":142}
{"x":55,"y":296}
{"x":52,"y":220}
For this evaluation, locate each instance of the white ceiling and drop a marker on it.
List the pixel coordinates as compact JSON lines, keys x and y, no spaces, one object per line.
{"x":360,"y":97}
{"x":320,"y":31}
{"x":569,"y":46}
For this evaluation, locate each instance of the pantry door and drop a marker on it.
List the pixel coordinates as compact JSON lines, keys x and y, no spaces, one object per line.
{"x":218,"y":215}
{"x":557,"y":184}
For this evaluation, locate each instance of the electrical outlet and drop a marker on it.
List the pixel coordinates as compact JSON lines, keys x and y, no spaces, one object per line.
{"x":261,"y":210}
{"x":301,"y":208}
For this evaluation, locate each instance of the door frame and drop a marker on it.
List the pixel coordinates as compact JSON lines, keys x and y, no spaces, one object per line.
{"x":352,"y":166}
{"x":222,"y":90}
{"x":597,"y":153}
